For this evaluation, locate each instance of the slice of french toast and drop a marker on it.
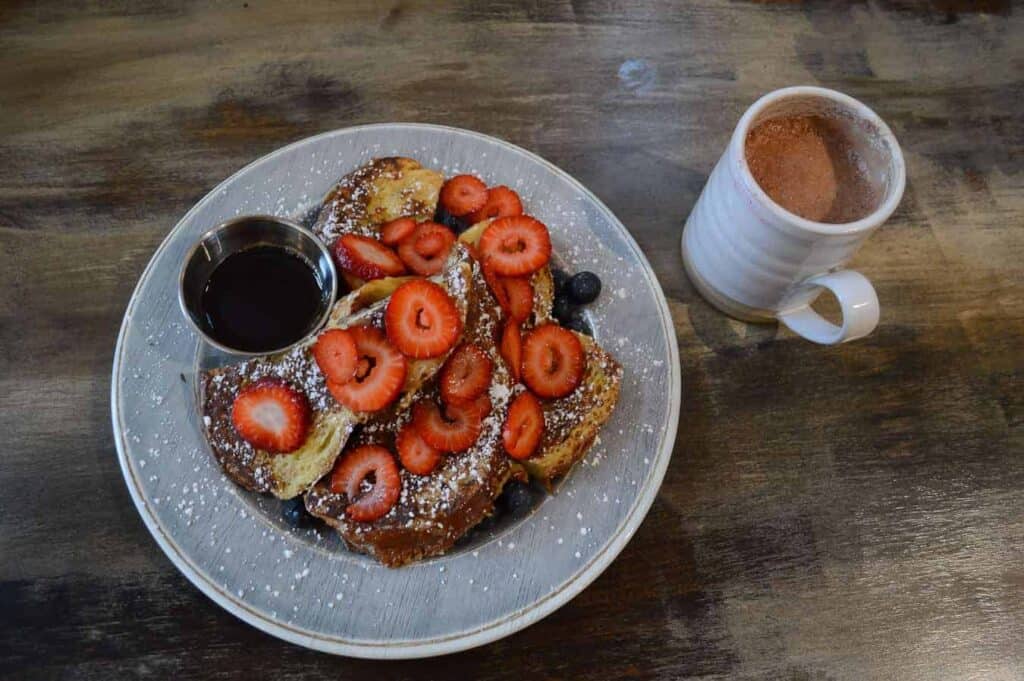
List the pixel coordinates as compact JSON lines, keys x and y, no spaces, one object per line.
{"x":571,"y":423}
{"x":383,"y":189}
{"x":433,"y":510}
{"x":288,"y":475}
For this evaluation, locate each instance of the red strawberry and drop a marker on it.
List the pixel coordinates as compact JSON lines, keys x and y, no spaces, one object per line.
{"x":466,"y":375}
{"x":379,"y":376}
{"x":416,"y":455}
{"x":501,"y":202}
{"x":271,"y":415}
{"x":463,"y":194}
{"x":352,"y":471}
{"x":514,"y":294}
{"x":519,"y":294}
{"x":523,"y":427}
{"x":496,"y":285}
{"x":392,"y":233}
{"x":512,"y":348}
{"x":553,"y":361}
{"x":335,"y":354}
{"x":366,"y":258}
{"x":454,"y":429}
{"x":425,"y":250}
{"x":516,"y":246}
{"x":422,"y":320}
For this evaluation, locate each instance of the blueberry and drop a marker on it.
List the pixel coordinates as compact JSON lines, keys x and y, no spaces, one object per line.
{"x":457,"y":225}
{"x":584,"y":287}
{"x":520,"y":498}
{"x":561,"y":308}
{"x":294,"y":512}
{"x":561,"y":277}
{"x":577,"y":322}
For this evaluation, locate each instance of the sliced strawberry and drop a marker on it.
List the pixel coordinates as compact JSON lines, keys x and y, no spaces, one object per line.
{"x":335,"y":354}
{"x":516,"y":246}
{"x":379,"y":376}
{"x":463,"y":194}
{"x":553,"y":361}
{"x":523,"y":427}
{"x":466,"y":375}
{"x":366,"y":258}
{"x":425,"y":250}
{"x":422,"y":320}
{"x":455,"y":428}
{"x":496,"y":284}
{"x":416,"y":454}
{"x":514,"y":294}
{"x":501,"y":202}
{"x":518,"y":297}
{"x":271,"y":415}
{"x":392,"y":233}
{"x":353,"y":471}
{"x":512,"y":348}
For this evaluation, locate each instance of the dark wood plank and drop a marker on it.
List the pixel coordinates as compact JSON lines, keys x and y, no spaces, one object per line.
{"x":830,"y":513}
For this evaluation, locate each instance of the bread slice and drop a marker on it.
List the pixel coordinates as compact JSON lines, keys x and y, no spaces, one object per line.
{"x":434,"y":510}
{"x":571,"y":423}
{"x":384,"y":189}
{"x":288,"y":475}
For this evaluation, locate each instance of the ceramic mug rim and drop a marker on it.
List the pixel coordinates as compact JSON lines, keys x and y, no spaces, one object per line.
{"x":882,"y":212}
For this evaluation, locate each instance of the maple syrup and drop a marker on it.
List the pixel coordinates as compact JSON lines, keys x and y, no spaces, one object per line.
{"x":261,"y":299}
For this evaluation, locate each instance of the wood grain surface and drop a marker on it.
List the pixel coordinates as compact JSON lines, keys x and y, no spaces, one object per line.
{"x":830,"y":513}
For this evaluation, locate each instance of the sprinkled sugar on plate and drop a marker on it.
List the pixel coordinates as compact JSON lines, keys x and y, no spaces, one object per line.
{"x":300,"y":584}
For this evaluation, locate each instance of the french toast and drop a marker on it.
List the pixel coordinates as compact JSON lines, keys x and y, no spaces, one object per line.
{"x":571,"y":422}
{"x":383,"y":189}
{"x":434,"y":510}
{"x":288,"y":475}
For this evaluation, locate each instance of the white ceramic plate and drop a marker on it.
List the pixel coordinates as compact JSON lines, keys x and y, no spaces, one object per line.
{"x":301,"y":584}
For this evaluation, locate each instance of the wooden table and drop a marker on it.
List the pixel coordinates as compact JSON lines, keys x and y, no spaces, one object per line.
{"x":830,"y":513}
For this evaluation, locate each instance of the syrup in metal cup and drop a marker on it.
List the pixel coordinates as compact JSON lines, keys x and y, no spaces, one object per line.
{"x":257,"y":285}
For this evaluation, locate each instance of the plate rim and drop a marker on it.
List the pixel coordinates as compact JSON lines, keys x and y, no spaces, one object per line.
{"x":499,"y":628}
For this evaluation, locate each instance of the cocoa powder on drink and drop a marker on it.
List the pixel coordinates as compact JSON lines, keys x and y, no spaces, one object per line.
{"x":809,"y":165}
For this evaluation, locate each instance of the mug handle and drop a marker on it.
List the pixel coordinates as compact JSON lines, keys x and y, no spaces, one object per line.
{"x":857,"y":301}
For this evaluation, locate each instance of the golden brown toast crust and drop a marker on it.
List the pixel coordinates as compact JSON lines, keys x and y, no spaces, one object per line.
{"x":571,"y":423}
{"x":384,"y":189}
{"x":433,"y":511}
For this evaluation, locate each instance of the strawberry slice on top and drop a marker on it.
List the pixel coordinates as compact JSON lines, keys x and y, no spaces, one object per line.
{"x":354,"y":468}
{"x":524,"y":426}
{"x":426,"y":248}
{"x":553,"y":361}
{"x":453,"y":429}
{"x":516,"y":246}
{"x":366,"y":258}
{"x":392,"y":233}
{"x":463,"y":194}
{"x":422,"y":320}
{"x":511,"y":348}
{"x":466,"y":374}
{"x":501,"y":202}
{"x":416,"y":455}
{"x":272,"y":415}
{"x":379,"y":374}
{"x":335,"y":353}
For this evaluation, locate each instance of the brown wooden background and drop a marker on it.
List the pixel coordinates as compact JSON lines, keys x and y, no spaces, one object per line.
{"x":830,"y":513}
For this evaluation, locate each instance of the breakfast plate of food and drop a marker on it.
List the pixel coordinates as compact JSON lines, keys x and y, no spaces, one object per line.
{"x":395,"y":391}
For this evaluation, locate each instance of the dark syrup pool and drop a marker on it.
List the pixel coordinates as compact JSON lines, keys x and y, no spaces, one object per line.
{"x":261,"y":299}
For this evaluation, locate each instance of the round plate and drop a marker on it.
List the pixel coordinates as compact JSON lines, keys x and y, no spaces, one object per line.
{"x":302,"y":585}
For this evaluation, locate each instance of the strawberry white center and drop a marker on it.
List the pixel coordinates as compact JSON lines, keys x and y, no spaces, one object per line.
{"x":270,"y":415}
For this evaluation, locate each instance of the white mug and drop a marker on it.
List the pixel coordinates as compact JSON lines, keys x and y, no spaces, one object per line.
{"x":756,"y":261}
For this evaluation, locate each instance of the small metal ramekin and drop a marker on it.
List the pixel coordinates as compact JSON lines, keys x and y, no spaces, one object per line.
{"x":241,"y":234}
